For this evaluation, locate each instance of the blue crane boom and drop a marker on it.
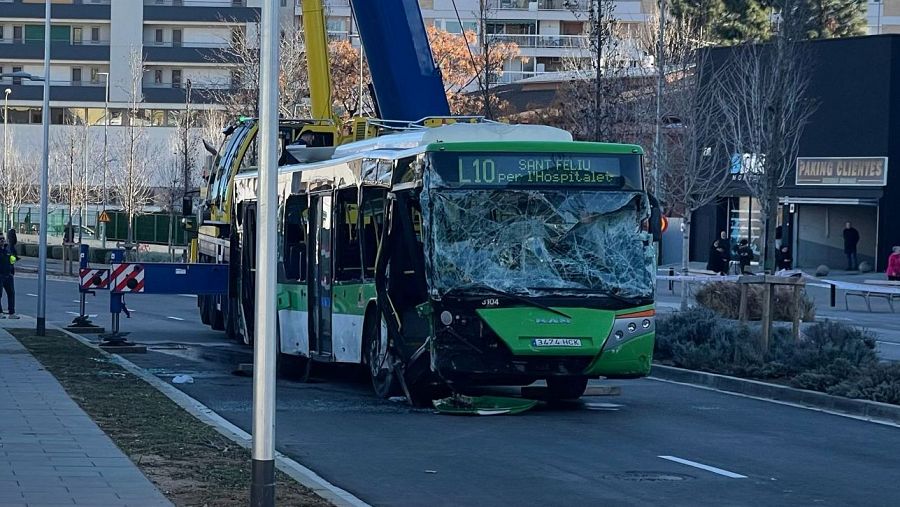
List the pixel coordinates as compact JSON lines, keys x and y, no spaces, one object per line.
{"x":407,"y":83}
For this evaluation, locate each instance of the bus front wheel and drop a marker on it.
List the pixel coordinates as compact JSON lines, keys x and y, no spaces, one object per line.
{"x":384,"y":380}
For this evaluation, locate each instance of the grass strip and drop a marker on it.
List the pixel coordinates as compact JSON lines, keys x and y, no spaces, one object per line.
{"x":190,"y":462}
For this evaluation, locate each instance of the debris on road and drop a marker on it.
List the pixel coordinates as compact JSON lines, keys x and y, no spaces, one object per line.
{"x":459,"y":404}
{"x":183,"y":379}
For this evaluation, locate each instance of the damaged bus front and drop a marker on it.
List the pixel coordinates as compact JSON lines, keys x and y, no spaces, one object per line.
{"x":538,"y":263}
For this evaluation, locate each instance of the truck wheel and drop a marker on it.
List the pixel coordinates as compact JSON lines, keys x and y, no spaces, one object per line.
{"x":566,"y":388}
{"x":203,"y":303}
{"x":216,"y":316}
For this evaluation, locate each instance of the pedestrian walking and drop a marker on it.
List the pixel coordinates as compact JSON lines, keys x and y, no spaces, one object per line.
{"x":893,"y":267}
{"x":851,"y":239}
{"x":7,"y":283}
{"x":783,"y":259}
{"x":745,"y":255}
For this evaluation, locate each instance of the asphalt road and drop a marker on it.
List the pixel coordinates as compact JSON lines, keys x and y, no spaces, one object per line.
{"x":720,"y":449}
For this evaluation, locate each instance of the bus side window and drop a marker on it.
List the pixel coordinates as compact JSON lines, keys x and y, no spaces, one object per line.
{"x":296,"y":217}
{"x":372,"y":226}
{"x":346,"y":242}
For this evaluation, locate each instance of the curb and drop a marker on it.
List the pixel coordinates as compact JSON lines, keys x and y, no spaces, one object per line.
{"x":303,"y":475}
{"x":873,"y":411}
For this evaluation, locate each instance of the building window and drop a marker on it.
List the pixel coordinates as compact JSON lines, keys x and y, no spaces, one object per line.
{"x":95,"y":75}
{"x":95,"y":34}
{"x":76,"y":76}
{"x":17,"y":80}
{"x":77,"y":36}
{"x":157,"y":77}
{"x":176,"y":78}
{"x":1,"y":34}
{"x":158,"y":36}
{"x":176,"y":37}
{"x":18,"y":34}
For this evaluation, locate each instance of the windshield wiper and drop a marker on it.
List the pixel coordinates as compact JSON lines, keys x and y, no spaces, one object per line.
{"x":604,"y":293}
{"x":516,"y":297}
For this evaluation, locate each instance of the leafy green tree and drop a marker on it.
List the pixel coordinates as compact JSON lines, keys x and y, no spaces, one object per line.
{"x":835,"y":18}
{"x":736,"y":21}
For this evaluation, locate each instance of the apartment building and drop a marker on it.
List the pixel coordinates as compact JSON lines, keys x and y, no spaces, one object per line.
{"x":92,"y":42}
{"x":546,"y":31}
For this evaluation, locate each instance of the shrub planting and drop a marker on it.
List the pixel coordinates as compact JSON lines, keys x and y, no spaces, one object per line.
{"x":724,"y":298}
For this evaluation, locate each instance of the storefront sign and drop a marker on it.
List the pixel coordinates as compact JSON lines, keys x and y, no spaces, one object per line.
{"x":857,"y":171}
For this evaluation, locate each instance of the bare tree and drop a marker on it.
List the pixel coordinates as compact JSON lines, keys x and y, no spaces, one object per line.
{"x":18,"y":183}
{"x":765,"y":106}
{"x":690,"y":166}
{"x":133,"y":182}
{"x":241,"y":96}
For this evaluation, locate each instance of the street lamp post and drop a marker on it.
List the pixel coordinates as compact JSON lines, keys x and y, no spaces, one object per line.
{"x":105,"y":156}
{"x":6,"y":132}
{"x":45,"y":167}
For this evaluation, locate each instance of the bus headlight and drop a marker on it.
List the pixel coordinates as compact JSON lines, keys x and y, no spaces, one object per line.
{"x":446,"y":318}
{"x":632,"y":327}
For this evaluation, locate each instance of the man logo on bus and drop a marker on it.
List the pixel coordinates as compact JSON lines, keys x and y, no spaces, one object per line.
{"x":552,"y":320}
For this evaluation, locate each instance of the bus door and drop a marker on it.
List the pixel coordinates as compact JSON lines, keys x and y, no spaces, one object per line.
{"x":320,"y":277}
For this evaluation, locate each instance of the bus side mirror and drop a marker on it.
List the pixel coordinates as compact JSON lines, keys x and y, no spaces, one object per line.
{"x":655,"y":219}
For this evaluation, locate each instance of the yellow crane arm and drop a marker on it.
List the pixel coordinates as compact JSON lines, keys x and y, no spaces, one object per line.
{"x":317,"y":60}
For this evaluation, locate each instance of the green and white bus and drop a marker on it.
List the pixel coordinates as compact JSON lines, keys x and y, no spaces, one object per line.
{"x":459,"y":255}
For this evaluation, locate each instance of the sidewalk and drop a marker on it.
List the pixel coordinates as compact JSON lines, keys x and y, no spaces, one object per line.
{"x":51,"y":452}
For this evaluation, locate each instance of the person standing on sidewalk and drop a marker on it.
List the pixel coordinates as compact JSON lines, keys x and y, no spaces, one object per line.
{"x":893,"y":267}
{"x":851,"y":239}
{"x":7,"y":283}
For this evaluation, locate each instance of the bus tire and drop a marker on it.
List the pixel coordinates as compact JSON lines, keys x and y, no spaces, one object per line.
{"x":384,"y":380}
{"x":566,"y":388}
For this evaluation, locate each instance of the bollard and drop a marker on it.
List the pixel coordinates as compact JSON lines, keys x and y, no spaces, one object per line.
{"x":833,"y":295}
{"x":671,"y":281}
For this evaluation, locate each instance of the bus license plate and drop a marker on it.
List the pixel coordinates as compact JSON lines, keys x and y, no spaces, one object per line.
{"x":556,"y":342}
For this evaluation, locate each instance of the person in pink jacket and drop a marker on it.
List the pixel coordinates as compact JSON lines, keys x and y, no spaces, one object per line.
{"x":893,"y":267}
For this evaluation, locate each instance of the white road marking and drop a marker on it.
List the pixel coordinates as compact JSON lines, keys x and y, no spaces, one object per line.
{"x":33,"y":295}
{"x":188,"y":295}
{"x":175,"y":318}
{"x":701,"y":466}
{"x":76,"y":300}
{"x":887,"y":343}
{"x":882,"y":422}
{"x":76,"y":313}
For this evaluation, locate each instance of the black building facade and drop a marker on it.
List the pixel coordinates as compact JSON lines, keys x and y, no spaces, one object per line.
{"x":845,"y":162}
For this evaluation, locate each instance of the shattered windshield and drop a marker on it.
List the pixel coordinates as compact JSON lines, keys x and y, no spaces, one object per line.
{"x":538,"y":241}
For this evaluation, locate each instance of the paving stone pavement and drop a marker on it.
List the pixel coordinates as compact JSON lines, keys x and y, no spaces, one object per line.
{"x":51,"y":452}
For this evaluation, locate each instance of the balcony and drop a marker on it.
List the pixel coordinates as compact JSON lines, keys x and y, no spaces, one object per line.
{"x":155,"y":52}
{"x":206,"y":13}
{"x":34,"y":50}
{"x":544,"y":41}
{"x":542,"y":5}
{"x":59,"y":90}
{"x":83,"y":9}
{"x":176,"y":93}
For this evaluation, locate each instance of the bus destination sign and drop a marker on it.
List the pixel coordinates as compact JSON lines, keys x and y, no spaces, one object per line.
{"x":515,"y":169}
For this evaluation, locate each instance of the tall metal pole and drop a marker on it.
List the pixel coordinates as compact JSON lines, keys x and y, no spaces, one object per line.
{"x":45,"y":166}
{"x":105,"y":158}
{"x":660,"y":76}
{"x":262,"y":493}
{"x":6,"y":136}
